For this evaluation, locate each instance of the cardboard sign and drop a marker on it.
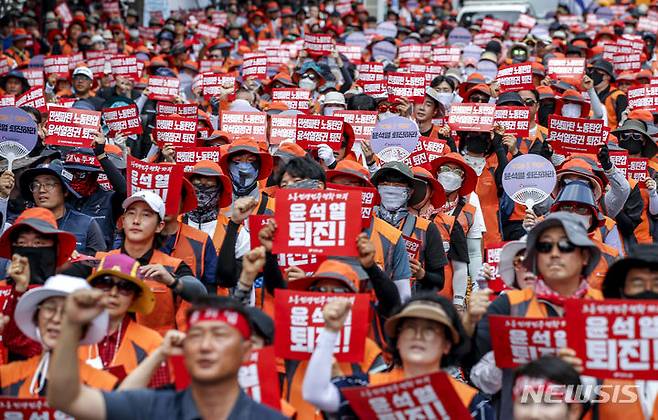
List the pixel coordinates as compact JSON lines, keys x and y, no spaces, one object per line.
{"x":413,"y":247}
{"x":28,"y":408}
{"x":207,"y":30}
{"x":369,"y":199}
{"x":645,"y":97}
{"x":175,"y":130}
{"x":124,"y":119}
{"x":34,"y":98}
{"x":34,"y":76}
{"x":126,"y":66}
{"x":614,"y":338}
{"x":495,"y":26}
{"x":314,"y":130}
{"x":576,"y":135}
{"x":515,"y":120}
{"x":354,"y":53}
{"x":282,"y":127}
{"x":472,"y":117}
{"x":406,"y":85}
{"x":189,"y":156}
{"x":252,"y":124}
{"x":163,"y":88}
{"x":294,"y":98}
{"x":567,"y":69}
{"x":429,"y":396}
{"x":71,"y":127}
{"x":184,"y":110}
{"x":515,"y":77}
{"x":627,"y":62}
{"x":217,"y":84}
{"x":370,"y":72}
{"x":56,"y":64}
{"x":362,"y":122}
{"x":319,"y":44}
{"x":426,"y":151}
{"x":298,"y":322}
{"x":637,"y":168}
{"x":446,"y":56}
{"x":254,"y":65}
{"x":520,"y":340}
{"x":157,"y":177}
{"x":394,"y":138}
{"x":317,"y":222}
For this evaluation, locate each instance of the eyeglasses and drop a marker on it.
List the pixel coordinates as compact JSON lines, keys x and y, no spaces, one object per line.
{"x":479,"y":99}
{"x":529,"y":102}
{"x":50,"y":310}
{"x":47,"y":186}
{"x":387,"y":107}
{"x":308,"y":76}
{"x":631,"y":136}
{"x":428,"y":332}
{"x":445,"y":169}
{"x":107,"y":283}
{"x":563,"y":245}
{"x":324,"y":289}
{"x":576,"y":209}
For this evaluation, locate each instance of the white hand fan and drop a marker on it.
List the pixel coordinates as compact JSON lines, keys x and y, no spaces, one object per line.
{"x":11,"y":151}
{"x":529,"y":179}
{"x":529,"y":196}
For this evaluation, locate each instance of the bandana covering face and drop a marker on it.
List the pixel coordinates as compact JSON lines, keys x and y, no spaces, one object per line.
{"x":229,"y":317}
{"x":86,"y":186}
{"x":208,"y":207}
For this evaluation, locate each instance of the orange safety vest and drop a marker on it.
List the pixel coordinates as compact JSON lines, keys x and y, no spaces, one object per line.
{"x":15,"y":378}
{"x":610,"y":108}
{"x":642,"y":232}
{"x":416,"y":227}
{"x":602,"y":232}
{"x":610,"y":410}
{"x":487,"y":191}
{"x":164,"y":316}
{"x":190,"y":246}
{"x":608,"y":256}
{"x":445,"y":222}
{"x":265,"y":206}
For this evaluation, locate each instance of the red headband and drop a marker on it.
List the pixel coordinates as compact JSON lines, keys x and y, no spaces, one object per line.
{"x":537,"y":385}
{"x":232,"y":318}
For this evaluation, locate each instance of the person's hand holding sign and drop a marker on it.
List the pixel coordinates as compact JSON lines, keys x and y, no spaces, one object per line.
{"x":335,"y":313}
{"x":158,"y":273}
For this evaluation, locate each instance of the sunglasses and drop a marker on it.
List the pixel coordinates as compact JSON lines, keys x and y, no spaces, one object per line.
{"x":479,"y":99}
{"x":518,"y":261}
{"x":106,"y":283}
{"x":631,"y":136}
{"x":529,"y":102}
{"x":386,"y":108}
{"x":563,"y":245}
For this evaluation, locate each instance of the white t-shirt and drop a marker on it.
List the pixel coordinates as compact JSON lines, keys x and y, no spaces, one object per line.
{"x":242,"y":243}
{"x":478,"y":228}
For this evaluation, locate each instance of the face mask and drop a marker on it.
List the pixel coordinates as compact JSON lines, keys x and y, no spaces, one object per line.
{"x":477,"y":143}
{"x":329,"y":110}
{"x":633,"y":147}
{"x":477,"y":163}
{"x":628,"y":30}
{"x":450,"y":181}
{"x":384,"y":115}
{"x":545,"y":109}
{"x":305,"y":184}
{"x":446,"y":98}
{"x":596,"y":78}
{"x":393,"y":198}
{"x":585,"y":220}
{"x":43,"y":262}
{"x":243,"y":174}
{"x":571,"y":110}
{"x":647,"y":294}
{"x":307,"y":84}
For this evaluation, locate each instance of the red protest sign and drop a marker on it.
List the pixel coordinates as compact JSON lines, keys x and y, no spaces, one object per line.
{"x":576,"y":135}
{"x":175,"y":130}
{"x":427,"y":149}
{"x":206,"y":66}
{"x":125,"y":66}
{"x":645,"y":24}
{"x":82,"y":159}
{"x":124,"y":119}
{"x":34,"y":98}
{"x":495,"y":26}
{"x":362,"y":122}
{"x":294,"y":98}
{"x":317,"y":222}
{"x":298,"y":322}
{"x":156,"y":177}
{"x":620,"y":159}
{"x":645,"y":97}
{"x":492,"y":257}
{"x":259,"y":379}
{"x":370,"y":72}
{"x":515,"y":77}
{"x":369,"y":199}
{"x":210,"y":31}
{"x":413,"y":246}
{"x":637,"y":168}
{"x":28,"y":408}
{"x":217,"y":84}
{"x":614,"y":338}
{"x":566,"y":68}
{"x":318,"y":44}
{"x":414,"y":52}
{"x":471,"y":117}
{"x":282,"y":127}
{"x":163,"y":88}
{"x":430,"y":70}
{"x":481,"y":39}
{"x":429,"y":396}
{"x":446,"y":56}
{"x":184,"y":110}
{"x":188,"y":156}
{"x":56,"y":64}
{"x":7,"y":100}
{"x":97,"y":64}
{"x":354,"y":53}
{"x":518,"y":33}
{"x":314,"y":130}
{"x":627,"y":62}
{"x":253,"y":124}
{"x":406,"y":85}
{"x":71,"y":127}
{"x":75,"y":60}
{"x":515,"y":120}
{"x":526,"y":21}
{"x":377,"y":90}
{"x":64,"y":12}
{"x":34,"y":76}
{"x":520,"y":340}
{"x":254,"y":65}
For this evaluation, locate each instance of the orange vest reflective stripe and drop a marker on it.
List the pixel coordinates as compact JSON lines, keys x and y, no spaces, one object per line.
{"x":524,"y":302}
{"x":610,"y":108}
{"x":190,"y":246}
{"x":608,"y":256}
{"x":16,"y":377}
{"x":488,"y":193}
{"x":417,"y":231}
{"x":444,"y":223}
{"x":642,"y":232}
{"x":466,"y":217}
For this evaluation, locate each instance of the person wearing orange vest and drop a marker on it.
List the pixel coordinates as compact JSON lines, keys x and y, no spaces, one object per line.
{"x":562,"y":256}
{"x":425,"y":336}
{"x":126,"y":343}
{"x":602,"y":74}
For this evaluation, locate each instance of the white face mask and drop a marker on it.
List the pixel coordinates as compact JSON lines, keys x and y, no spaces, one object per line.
{"x":393,"y":198}
{"x":384,"y":115}
{"x":329,"y":110}
{"x":571,"y":110}
{"x":307,"y":84}
{"x":450,"y":181}
{"x":446,"y":98}
{"x":586,"y":220}
{"x":475,"y":162}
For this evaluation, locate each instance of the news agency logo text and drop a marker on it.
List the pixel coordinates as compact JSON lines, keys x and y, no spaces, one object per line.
{"x":593,"y":393}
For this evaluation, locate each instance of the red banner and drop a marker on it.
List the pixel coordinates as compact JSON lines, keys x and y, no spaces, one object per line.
{"x":298,"y":322}
{"x":645,"y":97}
{"x":294,"y":98}
{"x":318,"y":44}
{"x":362,"y":122}
{"x":428,"y":397}
{"x":282,"y":127}
{"x":34,"y":76}
{"x":614,"y":338}
{"x":156,"y":177}
{"x":313,"y":130}
{"x":126,"y":66}
{"x":576,"y":135}
{"x":637,"y":168}
{"x":189,"y":156}
{"x":369,"y":199}
{"x":515,"y":120}
{"x":163,"y":88}
{"x":515,"y":77}
{"x":253,"y":124}
{"x":627,"y":62}
{"x":520,"y":340}
{"x":28,"y":408}
{"x":254,"y":65}
{"x":317,"y":222}
{"x":472,"y":117}
{"x":56,"y":64}
{"x":259,"y":379}
{"x":566,"y":68}
{"x":406,"y":85}
{"x":183,"y":110}
{"x":34,"y":98}
{"x":71,"y":127}
{"x":446,"y":56}
{"x":124,"y":119}
{"x":218,"y":84}
{"x":175,"y":130}
{"x":495,"y":26}
{"x":210,"y":31}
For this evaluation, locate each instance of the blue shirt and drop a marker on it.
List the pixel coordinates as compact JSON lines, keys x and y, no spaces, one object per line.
{"x":151,"y":404}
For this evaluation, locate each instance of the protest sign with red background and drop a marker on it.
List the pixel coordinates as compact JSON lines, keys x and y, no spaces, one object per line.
{"x":369,"y":199}
{"x":614,"y":338}
{"x":515,"y":77}
{"x":34,"y":76}
{"x":253,"y":124}
{"x":620,"y":159}
{"x":430,"y":396}
{"x":298,"y":322}
{"x":515,"y":120}
{"x":28,"y":408}
{"x":64,"y":13}
{"x":318,"y":44}
{"x":370,"y":72}
{"x":494,"y":26}
{"x":314,"y":130}
{"x":637,"y":168}
{"x":206,"y":66}
{"x":645,"y":97}
{"x":627,"y":62}
{"x":71,"y":127}
{"x":7,"y":100}
{"x":282,"y":127}
{"x":218,"y":84}
{"x":520,"y":340}
{"x":183,"y":110}
{"x":567,"y":69}
{"x":412,"y":246}
{"x":430,"y":70}
{"x":294,"y":98}
{"x":34,"y":98}
{"x":526,"y":21}
{"x":157,"y":177}
{"x":189,"y":156}
{"x":123,"y":119}
{"x":96,"y":62}
{"x":646,"y":24}
{"x":446,"y":56}
{"x":492,"y":257}
{"x":576,"y":135}
{"x":471,"y":117}
{"x":175,"y":130}
{"x":406,"y":85}
{"x":125,"y":65}
{"x":481,"y":39}
{"x":354,"y":53}
{"x":517,"y":33}
{"x":75,"y":60}
{"x":254,"y":65}
{"x":378,"y":90}
{"x":317,"y":222}
{"x":362,"y":122}
{"x":163,"y":88}
{"x":414,"y":52}
{"x":207,"y":30}
{"x":426,"y":151}
{"x":56,"y":64}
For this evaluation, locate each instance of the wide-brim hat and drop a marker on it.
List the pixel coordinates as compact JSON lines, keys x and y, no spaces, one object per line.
{"x":54,"y":168}
{"x":350,"y":168}
{"x":70,"y":163}
{"x":470,"y":180}
{"x":247,"y":145}
{"x":329,"y":270}
{"x":210,"y":168}
{"x":639,"y":256}
{"x":419,"y":187}
{"x":650,"y":149}
{"x":506,"y":265}
{"x":438,"y":193}
{"x":423,"y":309}
{"x":16,"y":74}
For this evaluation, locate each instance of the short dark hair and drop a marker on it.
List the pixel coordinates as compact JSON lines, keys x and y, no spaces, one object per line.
{"x":362,"y":102}
{"x":440,"y":79}
{"x":549,"y":367}
{"x":305,"y":168}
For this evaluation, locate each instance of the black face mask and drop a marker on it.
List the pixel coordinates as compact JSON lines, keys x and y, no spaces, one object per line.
{"x":596,"y":77}
{"x":634,"y":147}
{"x":545,"y":109}
{"x":647,"y":294}
{"x":43,"y":262}
{"x":477,"y":143}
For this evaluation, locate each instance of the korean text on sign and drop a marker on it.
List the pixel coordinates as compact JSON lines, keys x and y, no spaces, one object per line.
{"x":314,"y":130}
{"x":72,"y":127}
{"x":253,"y":124}
{"x":124,"y":119}
{"x":161,"y":178}
{"x":176,"y":131}
{"x":471,"y":117}
{"x":576,"y":135}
